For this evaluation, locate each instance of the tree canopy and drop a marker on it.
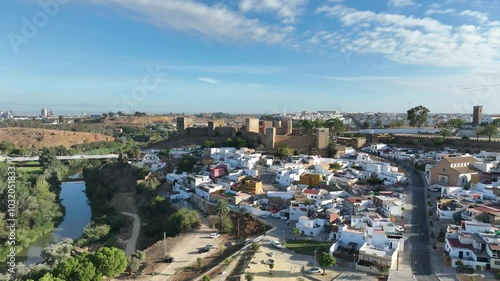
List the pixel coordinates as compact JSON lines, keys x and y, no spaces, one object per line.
{"x":325,"y":260}
{"x":417,"y":116}
{"x":110,"y":262}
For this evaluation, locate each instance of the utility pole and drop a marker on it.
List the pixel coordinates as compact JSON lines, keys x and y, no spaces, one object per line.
{"x":164,"y":244}
{"x":238,"y":228}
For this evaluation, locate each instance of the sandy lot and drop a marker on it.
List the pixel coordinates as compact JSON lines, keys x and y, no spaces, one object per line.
{"x":29,"y":137}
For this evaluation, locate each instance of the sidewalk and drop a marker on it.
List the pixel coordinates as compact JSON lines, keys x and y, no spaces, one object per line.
{"x":403,"y":274}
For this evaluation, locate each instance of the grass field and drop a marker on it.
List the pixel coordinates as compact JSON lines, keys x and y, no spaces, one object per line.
{"x":306,"y":247}
{"x":32,"y":167}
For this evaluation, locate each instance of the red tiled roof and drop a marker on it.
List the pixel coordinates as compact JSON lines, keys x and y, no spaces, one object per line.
{"x":274,"y":210}
{"x":487,"y":210}
{"x":311,"y":191}
{"x":333,"y":217}
{"x":354,"y":199}
{"x":494,"y":247}
{"x":455,"y":243}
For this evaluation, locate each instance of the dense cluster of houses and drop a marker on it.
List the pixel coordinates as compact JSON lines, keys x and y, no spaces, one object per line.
{"x":309,"y":192}
{"x":468,"y":206}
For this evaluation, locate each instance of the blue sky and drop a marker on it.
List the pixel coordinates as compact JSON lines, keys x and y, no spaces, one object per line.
{"x":249,"y":56}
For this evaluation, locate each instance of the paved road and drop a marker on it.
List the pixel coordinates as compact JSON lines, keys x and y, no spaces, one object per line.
{"x":72,"y":157}
{"x":417,"y":244}
{"x":132,"y":242}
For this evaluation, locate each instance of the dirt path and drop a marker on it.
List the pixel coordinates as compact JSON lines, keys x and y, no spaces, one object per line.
{"x":131,"y":244}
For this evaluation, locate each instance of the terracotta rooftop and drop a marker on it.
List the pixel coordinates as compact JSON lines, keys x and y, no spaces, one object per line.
{"x":458,"y":160}
{"x":455,"y":243}
{"x":311,"y":191}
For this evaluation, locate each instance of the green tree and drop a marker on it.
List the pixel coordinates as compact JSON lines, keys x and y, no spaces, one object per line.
{"x":296,"y":152}
{"x":255,"y":246}
{"x":336,"y":126}
{"x":206,"y":278}
{"x":490,"y":131}
{"x":208,"y":144}
{"x":58,"y":252}
{"x":445,"y":133}
{"x":397,"y":123}
{"x":110,"y":261}
{"x":50,"y":277}
{"x":223,"y":210}
{"x":296,"y":232}
{"x":283,"y":151}
{"x":271,"y":266}
{"x":308,"y":126}
{"x":186,"y":163}
{"x":134,"y":264}
{"x":183,"y":220}
{"x":379,"y":123}
{"x":80,"y":268}
{"x":417,"y":116}
{"x":332,"y":150}
{"x":365,"y":124}
{"x":456,"y":123}
{"x":249,"y":276}
{"x":335,"y":166}
{"x":325,"y":260}
{"x":61,"y":119}
{"x":459,"y":263}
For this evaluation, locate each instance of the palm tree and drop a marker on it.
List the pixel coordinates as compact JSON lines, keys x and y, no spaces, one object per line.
{"x":295,"y":232}
{"x":222,"y":210}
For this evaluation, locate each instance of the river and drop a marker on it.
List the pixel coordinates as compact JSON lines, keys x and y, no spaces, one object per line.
{"x":76,"y":217}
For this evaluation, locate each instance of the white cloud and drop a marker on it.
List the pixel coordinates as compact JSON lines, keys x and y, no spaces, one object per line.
{"x":287,"y":10}
{"x":208,"y":80}
{"x":481,"y":18}
{"x":410,"y":40}
{"x":402,"y":3}
{"x":216,"y":22}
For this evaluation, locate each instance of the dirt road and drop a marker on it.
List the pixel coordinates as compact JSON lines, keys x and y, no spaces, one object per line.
{"x":132,"y":242}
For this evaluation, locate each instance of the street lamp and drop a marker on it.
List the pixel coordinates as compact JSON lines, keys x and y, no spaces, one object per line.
{"x":314,"y":258}
{"x":283,"y":235}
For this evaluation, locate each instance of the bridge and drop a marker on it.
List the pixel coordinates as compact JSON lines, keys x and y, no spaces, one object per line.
{"x":72,"y":157}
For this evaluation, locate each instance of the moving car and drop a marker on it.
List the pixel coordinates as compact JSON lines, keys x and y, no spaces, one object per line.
{"x":214,"y":235}
{"x":277,"y":244}
{"x":268,"y":261}
{"x":315,"y":270}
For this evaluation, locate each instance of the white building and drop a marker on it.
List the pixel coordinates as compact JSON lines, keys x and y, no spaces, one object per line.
{"x":311,"y":226}
{"x":204,"y":191}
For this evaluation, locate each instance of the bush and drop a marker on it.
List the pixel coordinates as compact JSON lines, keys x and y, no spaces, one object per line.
{"x":255,"y":246}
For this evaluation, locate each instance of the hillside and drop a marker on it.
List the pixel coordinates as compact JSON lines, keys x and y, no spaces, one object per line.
{"x":138,"y":120}
{"x":29,"y":137}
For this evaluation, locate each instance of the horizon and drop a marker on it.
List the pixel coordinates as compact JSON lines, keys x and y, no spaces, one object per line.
{"x":249,"y":56}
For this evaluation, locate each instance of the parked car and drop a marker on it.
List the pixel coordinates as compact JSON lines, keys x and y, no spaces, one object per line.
{"x":264,"y":216}
{"x":203,"y":250}
{"x":466,"y":269}
{"x":206,"y":249}
{"x":399,"y":228}
{"x":289,"y":221}
{"x":315,"y":270}
{"x":277,"y":244}
{"x":434,"y":188}
{"x":214,"y":235}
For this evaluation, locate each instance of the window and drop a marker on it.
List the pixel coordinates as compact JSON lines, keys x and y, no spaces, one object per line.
{"x":497,"y":262}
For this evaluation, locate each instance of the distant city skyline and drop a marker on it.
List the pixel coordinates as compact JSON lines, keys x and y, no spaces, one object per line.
{"x":249,"y":56}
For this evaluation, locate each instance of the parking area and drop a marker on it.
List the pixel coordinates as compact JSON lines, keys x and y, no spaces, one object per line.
{"x":287,"y":266}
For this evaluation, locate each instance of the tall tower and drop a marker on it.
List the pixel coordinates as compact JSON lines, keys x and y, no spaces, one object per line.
{"x":477,"y":116}
{"x":322,"y":138}
{"x":252,"y":125}
{"x":182,"y":124}
{"x":44,"y":112}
